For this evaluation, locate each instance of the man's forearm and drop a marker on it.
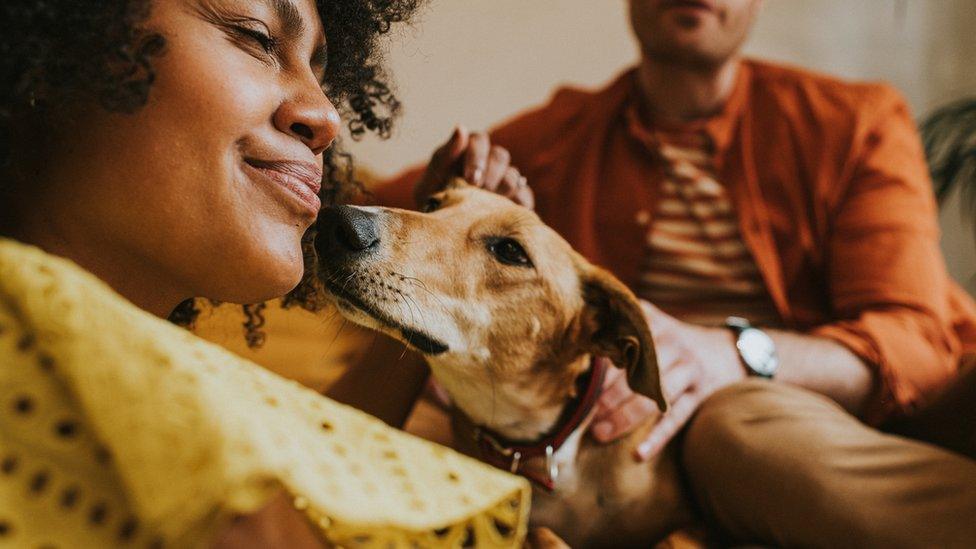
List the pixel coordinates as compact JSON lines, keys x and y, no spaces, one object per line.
{"x":824,"y":366}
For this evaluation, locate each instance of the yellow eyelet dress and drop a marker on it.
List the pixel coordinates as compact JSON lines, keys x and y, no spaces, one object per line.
{"x":118,"y":429}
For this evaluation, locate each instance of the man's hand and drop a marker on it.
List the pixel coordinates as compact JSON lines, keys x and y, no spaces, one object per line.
{"x":694,"y":363}
{"x":473,"y":157}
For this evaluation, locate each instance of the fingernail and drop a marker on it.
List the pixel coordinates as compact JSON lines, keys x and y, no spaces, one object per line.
{"x":476,"y":175}
{"x":602,"y":430}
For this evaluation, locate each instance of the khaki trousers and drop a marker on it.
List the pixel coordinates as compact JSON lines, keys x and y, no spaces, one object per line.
{"x":773,"y":464}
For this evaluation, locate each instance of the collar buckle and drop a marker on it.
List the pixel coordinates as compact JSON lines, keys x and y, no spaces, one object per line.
{"x":552,"y":468}
{"x":510,"y":456}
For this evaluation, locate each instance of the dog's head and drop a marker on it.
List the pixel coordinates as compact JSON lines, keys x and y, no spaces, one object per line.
{"x":493,"y":297}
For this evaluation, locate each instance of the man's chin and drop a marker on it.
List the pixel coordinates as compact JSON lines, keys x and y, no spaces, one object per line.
{"x":686,"y":50}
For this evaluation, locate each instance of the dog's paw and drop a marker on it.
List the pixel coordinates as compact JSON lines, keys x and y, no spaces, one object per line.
{"x":544,"y":538}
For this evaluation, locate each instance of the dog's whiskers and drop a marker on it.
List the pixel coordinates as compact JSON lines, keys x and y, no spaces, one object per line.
{"x":413,"y":319}
{"x":348,"y":279}
{"x":420,"y":311}
{"x":405,"y":348}
{"x":423,"y":286}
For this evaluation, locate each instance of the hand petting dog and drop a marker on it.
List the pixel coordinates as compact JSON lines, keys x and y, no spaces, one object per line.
{"x":694,"y":362}
{"x":473,"y":157}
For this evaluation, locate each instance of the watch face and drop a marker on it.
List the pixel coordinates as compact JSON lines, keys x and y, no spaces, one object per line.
{"x":758,"y":351}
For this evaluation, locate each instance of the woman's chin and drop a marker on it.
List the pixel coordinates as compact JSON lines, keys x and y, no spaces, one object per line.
{"x":276,"y":285}
{"x":272,"y":276}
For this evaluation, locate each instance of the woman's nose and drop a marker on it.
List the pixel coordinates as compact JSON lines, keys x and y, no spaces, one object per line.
{"x":310,"y":117}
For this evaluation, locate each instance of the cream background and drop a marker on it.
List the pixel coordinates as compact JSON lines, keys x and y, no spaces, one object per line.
{"x":477,"y":62}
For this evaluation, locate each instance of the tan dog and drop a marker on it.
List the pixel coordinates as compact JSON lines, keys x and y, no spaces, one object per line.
{"x":508,"y":317}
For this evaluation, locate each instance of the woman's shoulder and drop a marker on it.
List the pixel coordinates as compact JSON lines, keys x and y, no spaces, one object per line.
{"x":58,"y":485}
{"x":197,"y":434}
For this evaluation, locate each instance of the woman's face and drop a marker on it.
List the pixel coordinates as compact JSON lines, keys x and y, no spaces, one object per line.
{"x":208,"y":188}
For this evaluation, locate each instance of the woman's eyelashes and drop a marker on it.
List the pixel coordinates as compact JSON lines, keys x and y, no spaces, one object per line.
{"x":267,"y":43}
{"x":249,"y":33}
{"x":254,"y":37}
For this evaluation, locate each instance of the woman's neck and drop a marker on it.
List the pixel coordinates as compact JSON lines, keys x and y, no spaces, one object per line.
{"x":674,"y":92}
{"x":126,"y":273}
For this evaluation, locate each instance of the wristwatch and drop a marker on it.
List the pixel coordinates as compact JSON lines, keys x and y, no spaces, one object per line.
{"x":756,"y":348}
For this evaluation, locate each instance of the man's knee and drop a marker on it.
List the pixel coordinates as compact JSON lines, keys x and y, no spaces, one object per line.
{"x":758,"y":442}
{"x":792,"y":454}
{"x":740,"y":419}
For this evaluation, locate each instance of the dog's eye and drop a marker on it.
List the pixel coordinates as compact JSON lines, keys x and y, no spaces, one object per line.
{"x":509,"y":251}
{"x":431,"y":205}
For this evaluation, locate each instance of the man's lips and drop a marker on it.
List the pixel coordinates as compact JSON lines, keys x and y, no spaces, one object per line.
{"x":302,"y":178}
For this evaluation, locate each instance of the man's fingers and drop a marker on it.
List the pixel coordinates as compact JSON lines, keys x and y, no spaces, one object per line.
{"x":658,"y":319}
{"x":612,"y":395}
{"x":457,"y":144}
{"x":631,"y":413}
{"x":442,"y":166}
{"x":672,"y":422}
{"x":649,"y":308}
{"x":511,"y":182}
{"x":516,"y":187}
{"x":613,"y":372}
{"x":678,"y":379}
{"x":476,"y":158}
{"x":525,"y":197}
{"x":499,"y":161}
{"x":669,"y":356}
{"x":663,"y":327}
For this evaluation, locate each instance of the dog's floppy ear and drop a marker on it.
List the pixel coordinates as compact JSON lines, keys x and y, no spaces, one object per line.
{"x":617,"y":328}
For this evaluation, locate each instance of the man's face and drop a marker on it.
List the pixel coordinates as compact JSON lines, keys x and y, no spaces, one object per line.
{"x":701,"y":33}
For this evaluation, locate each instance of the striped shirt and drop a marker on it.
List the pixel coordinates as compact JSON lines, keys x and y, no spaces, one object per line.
{"x":696,"y":266}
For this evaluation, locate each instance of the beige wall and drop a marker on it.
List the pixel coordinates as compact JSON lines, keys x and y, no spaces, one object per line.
{"x":478,"y":61}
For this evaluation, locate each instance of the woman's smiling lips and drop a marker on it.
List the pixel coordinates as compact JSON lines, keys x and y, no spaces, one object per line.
{"x":302,"y":179}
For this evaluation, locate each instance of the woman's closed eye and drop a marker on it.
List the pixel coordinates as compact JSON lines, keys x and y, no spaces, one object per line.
{"x":263,"y":39}
{"x":254,"y":36}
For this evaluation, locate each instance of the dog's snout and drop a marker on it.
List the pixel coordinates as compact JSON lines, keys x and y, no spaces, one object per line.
{"x":347,"y":229}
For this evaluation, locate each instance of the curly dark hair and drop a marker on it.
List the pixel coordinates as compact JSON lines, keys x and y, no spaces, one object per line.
{"x":58,"y":51}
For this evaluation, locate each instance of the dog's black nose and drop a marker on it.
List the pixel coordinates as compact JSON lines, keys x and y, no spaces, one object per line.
{"x":346,"y":229}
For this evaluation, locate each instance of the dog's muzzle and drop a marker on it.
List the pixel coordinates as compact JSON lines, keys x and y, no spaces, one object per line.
{"x":347,"y":243}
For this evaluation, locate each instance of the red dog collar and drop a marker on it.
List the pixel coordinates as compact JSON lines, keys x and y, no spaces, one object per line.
{"x":511,"y":455}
